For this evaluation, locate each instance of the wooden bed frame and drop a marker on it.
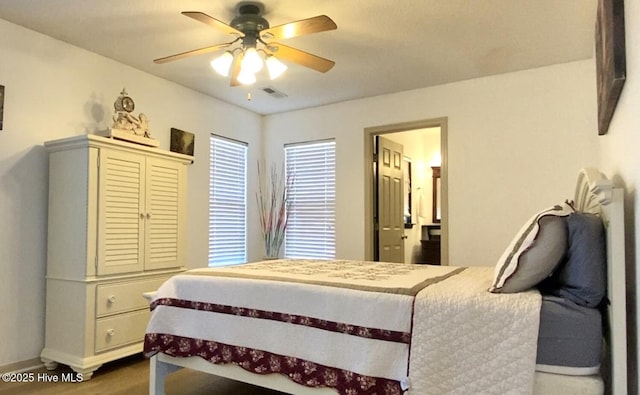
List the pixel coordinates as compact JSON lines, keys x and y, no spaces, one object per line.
{"x":595,"y":194}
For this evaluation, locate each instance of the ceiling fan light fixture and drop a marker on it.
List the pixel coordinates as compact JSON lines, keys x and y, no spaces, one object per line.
{"x":252,"y":61}
{"x":246,"y":77}
{"x":275,"y":67}
{"x":250,"y":29}
{"x":222,"y":63}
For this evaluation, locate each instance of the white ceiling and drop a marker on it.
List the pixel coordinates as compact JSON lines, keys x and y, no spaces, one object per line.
{"x":380,"y":46}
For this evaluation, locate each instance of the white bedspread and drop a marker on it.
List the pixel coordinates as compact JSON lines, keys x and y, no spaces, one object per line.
{"x":469,"y":341}
{"x":463,"y":339}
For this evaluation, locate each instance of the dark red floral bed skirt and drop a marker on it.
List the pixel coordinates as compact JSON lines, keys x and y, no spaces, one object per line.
{"x":303,"y":372}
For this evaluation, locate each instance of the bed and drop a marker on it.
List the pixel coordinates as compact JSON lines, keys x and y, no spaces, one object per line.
{"x":417,"y":329}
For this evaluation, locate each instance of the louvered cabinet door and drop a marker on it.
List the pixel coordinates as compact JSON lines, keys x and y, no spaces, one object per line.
{"x":164,"y":223}
{"x":121,"y":213}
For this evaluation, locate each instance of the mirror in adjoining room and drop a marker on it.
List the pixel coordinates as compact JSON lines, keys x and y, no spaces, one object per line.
{"x":436,"y":212}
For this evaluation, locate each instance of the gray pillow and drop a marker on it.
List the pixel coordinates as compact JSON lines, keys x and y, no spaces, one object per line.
{"x":582,"y":279}
{"x":541,"y":258}
{"x":545,"y":256}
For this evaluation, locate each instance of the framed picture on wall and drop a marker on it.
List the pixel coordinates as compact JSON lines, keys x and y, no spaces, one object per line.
{"x":1,"y":105}
{"x":610,"y":59}
{"x":182,"y":142}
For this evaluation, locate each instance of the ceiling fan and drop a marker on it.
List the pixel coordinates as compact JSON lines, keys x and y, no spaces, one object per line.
{"x":255,"y":37}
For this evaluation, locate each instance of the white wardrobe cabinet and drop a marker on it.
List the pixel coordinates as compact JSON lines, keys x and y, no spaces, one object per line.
{"x":117,"y":221}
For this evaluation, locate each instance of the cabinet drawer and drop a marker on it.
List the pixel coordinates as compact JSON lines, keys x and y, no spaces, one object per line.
{"x":116,"y":298}
{"x":121,"y":329}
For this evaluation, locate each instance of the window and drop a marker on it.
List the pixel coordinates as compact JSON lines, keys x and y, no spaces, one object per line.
{"x":311,"y":228}
{"x":227,"y":202}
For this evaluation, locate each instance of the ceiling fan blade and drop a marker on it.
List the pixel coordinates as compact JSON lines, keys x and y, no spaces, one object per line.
{"x":316,"y":24}
{"x":300,"y":57}
{"x":213,"y":22}
{"x":183,"y":55}
{"x":235,"y":70}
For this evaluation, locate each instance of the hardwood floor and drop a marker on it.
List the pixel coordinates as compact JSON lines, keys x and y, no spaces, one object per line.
{"x":130,"y":376}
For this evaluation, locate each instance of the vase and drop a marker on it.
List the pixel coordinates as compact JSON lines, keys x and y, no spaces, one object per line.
{"x":271,"y":251}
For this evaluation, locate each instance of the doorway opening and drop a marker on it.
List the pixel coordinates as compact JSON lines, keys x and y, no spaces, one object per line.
{"x":424,"y":196}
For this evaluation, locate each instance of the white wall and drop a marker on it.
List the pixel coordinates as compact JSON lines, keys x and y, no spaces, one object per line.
{"x":621,"y":160}
{"x":54,"y":90}
{"x":515,"y":145}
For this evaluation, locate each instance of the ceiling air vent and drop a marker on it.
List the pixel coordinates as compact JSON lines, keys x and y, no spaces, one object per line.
{"x":274,"y":93}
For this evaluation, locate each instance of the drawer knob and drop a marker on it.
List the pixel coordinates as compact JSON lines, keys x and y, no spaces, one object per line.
{"x":111,"y":332}
{"x":112,"y":299}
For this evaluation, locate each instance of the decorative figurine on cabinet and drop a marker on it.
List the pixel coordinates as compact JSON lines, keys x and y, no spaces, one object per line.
{"x":127,"y":126}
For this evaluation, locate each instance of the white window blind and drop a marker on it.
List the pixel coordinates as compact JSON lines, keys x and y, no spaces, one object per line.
{"x":227,"y":202}
{"x":311,"y":227}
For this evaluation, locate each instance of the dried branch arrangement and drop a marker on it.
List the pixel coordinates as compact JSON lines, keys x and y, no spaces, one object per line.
{"x":273,"y":206}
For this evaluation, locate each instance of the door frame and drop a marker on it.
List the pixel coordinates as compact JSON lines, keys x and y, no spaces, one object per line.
{"x":369,"y":132}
